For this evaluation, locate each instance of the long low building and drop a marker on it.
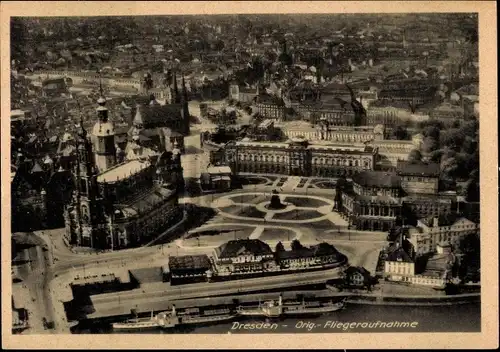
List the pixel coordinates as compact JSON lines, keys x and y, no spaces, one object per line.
{"x":120,"y":303}
{"x":298,"y":157}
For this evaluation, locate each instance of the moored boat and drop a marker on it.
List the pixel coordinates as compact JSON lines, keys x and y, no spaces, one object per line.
{"x":269,"y":309}
{"x":137,"y":324}
{"x":317,"y":308}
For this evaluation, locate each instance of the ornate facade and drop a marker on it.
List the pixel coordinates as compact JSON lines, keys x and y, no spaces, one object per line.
{"x":372,"y":202}
{"x":297,"y":157}
{"x":125,"y":204}
{"x":376,"y":199}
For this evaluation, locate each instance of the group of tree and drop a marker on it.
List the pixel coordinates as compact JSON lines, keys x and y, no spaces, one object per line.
{"x":470,"y":262}
{"x":456,"y":149}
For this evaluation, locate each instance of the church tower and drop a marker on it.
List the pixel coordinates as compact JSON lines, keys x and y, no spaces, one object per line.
{"x":185,"y":108}
{"x":176,"y":99}
{"x":83,"y":213}
{"x":104,"y":134}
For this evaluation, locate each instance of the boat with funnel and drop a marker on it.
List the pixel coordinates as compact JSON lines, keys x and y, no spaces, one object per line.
{"x":137,"y":323}
{"x":273,"y":309}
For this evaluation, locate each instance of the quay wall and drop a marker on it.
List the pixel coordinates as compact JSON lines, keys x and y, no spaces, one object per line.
{"x":235,"y":299}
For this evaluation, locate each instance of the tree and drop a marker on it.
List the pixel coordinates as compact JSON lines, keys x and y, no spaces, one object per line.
{"x":429,"y":145}
{"x":415,"y":155}
{"x":436,"y":156}
{"x":296,"y":245}
{"x":453,"y":138}
{"x":472,"y":191}
{"x":432,"y":131}
{"x":279,"y":247}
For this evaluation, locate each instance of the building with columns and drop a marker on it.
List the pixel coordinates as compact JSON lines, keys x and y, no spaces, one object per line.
{"x":298,"y":157}
{"x":372,"y":201}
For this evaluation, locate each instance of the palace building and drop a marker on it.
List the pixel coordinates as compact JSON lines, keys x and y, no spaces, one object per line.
{"x":118,"y":202}
{"x":372,"y":202}
{"x":376,"y":199}
{"x":298,"y":157}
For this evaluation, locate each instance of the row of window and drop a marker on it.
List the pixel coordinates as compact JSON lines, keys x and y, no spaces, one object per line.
{"x":399,"y":269}
{"x":314,"y":160}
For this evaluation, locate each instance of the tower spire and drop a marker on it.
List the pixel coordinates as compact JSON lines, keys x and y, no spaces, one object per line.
{"x":176,"y":90}
{"x":184,"y":91}
{"x":101,"y":90}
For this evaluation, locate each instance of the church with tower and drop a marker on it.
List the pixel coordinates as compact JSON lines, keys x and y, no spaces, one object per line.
{"x":125,"y":197}
{"x":158,"y":125}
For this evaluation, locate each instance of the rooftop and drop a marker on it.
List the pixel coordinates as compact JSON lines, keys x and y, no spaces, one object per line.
{"x":418,"y":168}
{"x":122,"y":171}
{"x":377,"y":179}
{"x":235,"y":248}
{"x":145,"y":201}
{"x":398,"y":254}
{"x":444,"y":220}
{"x":219,"y":170}
{"x":189,"y":262}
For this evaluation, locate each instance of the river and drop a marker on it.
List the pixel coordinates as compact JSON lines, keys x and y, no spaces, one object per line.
{"x":455,"y":318}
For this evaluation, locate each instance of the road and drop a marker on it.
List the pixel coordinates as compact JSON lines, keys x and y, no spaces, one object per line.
{"x":34,"y":282}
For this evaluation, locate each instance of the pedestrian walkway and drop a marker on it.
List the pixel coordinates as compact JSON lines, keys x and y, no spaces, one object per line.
{"x":275,"y":182}
{"x":256,"y":233}
{"x":291,"y":183}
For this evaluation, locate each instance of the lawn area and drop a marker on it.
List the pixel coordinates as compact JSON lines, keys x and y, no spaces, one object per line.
{"x":324,"y":184}
{"x":248,"y":198}
{"x":323,"y":225}
{"x":302,"y":182}
{"x":274,"y":234}
{"x":213,"y":240}
{"x":281,"y":182}
{"x":250,"y":212}
{"x":297,"y":215}
{"x":255,"y":180}
{"x":305,"y":202}
{"x":221,"y":231}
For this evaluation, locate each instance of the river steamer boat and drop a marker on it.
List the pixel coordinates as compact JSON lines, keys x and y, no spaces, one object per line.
{"x":272,"y":309}
{"x":138,"y":324}
{"x":171,"y":319}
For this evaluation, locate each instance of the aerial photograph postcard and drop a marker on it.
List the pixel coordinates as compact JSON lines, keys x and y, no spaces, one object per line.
{"x":244,"y":174}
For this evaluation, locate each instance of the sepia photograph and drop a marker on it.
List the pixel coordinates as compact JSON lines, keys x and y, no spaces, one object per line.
{"x":246,"y":173}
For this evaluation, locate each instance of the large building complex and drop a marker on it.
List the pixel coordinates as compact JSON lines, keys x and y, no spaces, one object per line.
{"x":298,"y":157}
{"x":376,"y":200}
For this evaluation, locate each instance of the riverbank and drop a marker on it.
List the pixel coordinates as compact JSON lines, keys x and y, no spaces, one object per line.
{"x":321,"y":295}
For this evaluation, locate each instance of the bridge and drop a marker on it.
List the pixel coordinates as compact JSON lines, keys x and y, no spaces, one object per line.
{"x":81,"y":77}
